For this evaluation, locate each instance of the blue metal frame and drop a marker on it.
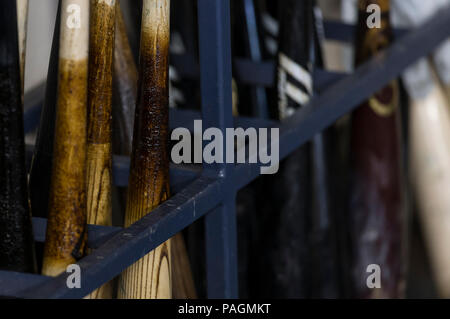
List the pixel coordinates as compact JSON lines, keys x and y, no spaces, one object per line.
{"x":211,"y":191}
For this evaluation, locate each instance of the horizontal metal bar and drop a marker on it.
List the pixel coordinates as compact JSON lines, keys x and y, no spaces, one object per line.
{"x":344,"y":96}
{"x":12,"y":283}
{"x":263,"y":74}
{"x":250,"y":72}
{"x":134,"y":242}
{"x":344,"y":32}
{"x":97,"y":235}
{"x":323,"y":80}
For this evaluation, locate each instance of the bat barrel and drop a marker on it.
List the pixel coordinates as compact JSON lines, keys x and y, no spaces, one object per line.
{"x":99,"y":144}
{"x":150,"y":277}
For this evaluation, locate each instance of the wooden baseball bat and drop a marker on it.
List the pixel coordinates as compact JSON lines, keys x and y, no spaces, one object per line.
{"x":429,"y":150}
{"x":99,"y":143}
{"x":377,"y":212}
{"x":16,"y":237}
{"x":41,"y":164}
{"x":429,"y":130}
{"x":150,"y":277}
{"x":125,"y":91}
{"x":66,"y":228}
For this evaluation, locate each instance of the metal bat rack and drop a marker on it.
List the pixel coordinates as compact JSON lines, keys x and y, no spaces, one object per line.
{"x":210,"y":192}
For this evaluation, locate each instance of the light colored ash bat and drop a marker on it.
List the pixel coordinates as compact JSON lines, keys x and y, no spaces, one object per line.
{"x":66,"y":228}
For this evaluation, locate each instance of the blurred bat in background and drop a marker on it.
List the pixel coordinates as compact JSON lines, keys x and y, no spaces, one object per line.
{"x":377,"y":213}
{"x":429,"y":130}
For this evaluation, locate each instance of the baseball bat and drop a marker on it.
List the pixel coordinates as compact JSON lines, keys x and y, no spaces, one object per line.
{"x":66,"y":228}
{"x":150,"y":277}
{"x":16,"y":237}
{"x":430,"y":174}
{"x":125,"y":92}
{"x":377,"y":212}
{"x":284,"y":221}
{"x":99,"y":139}
{"x":429,"y":151}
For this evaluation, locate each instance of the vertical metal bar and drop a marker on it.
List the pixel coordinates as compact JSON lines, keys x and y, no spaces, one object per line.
{"x":221,"y":250}
{"x":260,"y":107}
{"x":215,"y":70}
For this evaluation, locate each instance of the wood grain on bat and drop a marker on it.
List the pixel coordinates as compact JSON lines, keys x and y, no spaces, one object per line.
{"x":150,"y":277}
{"x":99,"y":155}
{"x":124,"y":96}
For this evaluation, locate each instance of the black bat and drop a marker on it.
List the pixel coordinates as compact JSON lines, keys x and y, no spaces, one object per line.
{"x":16,"y":237}
{"x":285,"y":215}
